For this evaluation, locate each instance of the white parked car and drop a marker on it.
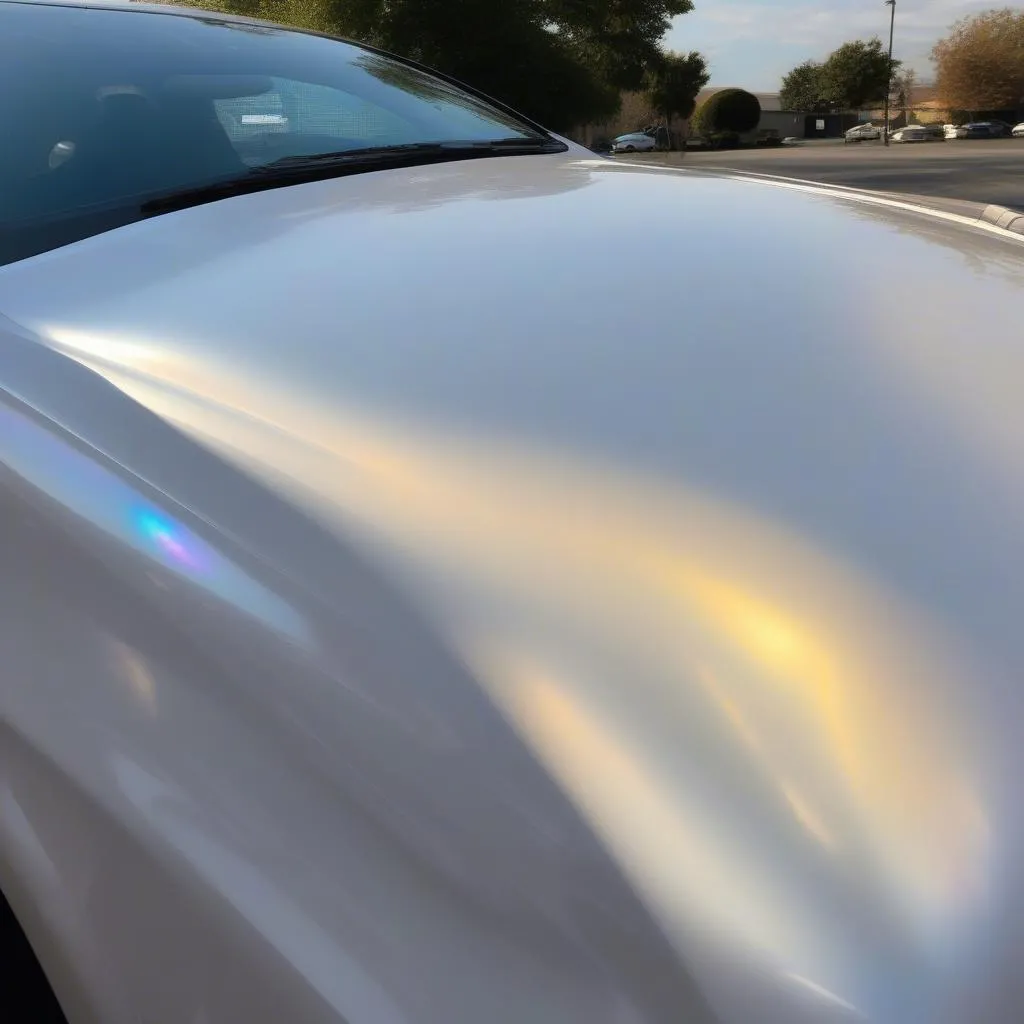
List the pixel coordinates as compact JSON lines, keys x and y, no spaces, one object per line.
{"x":390,"y":633}
{"x":634,"y":142}
{"x":1018,"y":130}
{"x":862,"y":132}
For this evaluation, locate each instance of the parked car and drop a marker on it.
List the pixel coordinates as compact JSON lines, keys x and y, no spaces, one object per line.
{"x":984,"y":130}
{"x":634,"y":142}
{"x":955,"y":131}
{"x":1001,"y":129}
{"x":768,"y":137}
{"x":722,"y":140}
{"x":1018,"y":130}
{"x":912,"y":133}
{"x":391,"y":632}
{"x":934,"y":130}
{"x":862,"y":132}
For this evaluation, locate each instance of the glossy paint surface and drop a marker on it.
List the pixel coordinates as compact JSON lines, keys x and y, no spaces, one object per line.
{"x":396,"y":632}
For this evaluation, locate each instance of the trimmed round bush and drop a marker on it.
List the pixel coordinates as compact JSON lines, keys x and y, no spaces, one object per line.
{"x":728,"y":110}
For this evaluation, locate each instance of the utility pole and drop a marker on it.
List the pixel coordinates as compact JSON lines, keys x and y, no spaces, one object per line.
{"x":891,"y":4}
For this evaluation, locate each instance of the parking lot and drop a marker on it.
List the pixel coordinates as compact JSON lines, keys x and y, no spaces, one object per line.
{"x":980,"y":171}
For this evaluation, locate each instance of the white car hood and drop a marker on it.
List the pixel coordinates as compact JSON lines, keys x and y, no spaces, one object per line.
{"x":729,"y":532}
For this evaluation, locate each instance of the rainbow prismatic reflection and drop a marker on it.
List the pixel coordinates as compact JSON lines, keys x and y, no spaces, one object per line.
{"x":167,"y":538}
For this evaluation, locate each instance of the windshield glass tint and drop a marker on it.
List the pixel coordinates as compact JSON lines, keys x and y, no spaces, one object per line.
{"x":103,"y":106}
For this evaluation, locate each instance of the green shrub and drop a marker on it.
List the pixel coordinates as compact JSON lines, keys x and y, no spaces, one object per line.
{"x":728,"y":110}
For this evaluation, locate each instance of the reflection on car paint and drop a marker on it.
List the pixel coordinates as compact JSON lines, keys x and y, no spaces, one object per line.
{"x":76,"y":481}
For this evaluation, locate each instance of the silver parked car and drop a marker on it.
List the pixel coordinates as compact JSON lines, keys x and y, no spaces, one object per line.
{"x":634,"y":142}
{"x":863,"y":132}
{"x":390,"y":633}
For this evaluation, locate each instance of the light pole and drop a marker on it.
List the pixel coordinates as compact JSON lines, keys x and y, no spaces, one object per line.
{"x":891,"y":4}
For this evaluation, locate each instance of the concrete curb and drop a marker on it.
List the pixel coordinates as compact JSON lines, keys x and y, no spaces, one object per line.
{"x":1001,"y":217}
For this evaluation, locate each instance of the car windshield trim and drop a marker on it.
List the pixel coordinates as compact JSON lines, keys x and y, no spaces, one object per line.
{"x":322,"y":166}
{"x":426,"y":151}
{"x":70,"y":225}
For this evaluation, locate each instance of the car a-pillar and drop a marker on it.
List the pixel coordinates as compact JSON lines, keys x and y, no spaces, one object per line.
{"x":25,"y":993}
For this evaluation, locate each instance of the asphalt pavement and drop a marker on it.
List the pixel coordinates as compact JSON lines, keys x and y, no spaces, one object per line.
{"x":978,"y":171}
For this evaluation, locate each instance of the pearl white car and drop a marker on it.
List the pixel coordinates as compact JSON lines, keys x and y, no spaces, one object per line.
{"x":391,"y":633}
{"x":918,"y":133}
{"x":634,"y":142}
{"x":1018,"y":131}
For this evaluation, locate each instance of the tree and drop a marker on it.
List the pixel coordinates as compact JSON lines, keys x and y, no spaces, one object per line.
{"x":804,"y":88}
{"x":980,"y":64}
{"x":674,"y":83}
{"x":562,"y":62}
{"x":728,"y":110}
{"x":620,"y":40}
{"x":901,"y":97}
{"x":857,"y":74}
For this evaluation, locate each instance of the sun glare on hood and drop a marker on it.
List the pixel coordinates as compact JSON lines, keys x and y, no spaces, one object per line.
{"x":740,"y":715}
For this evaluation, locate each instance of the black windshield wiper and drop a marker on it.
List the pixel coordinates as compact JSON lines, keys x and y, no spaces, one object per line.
{"x":417,"y":151}
{"x":294,"y":170}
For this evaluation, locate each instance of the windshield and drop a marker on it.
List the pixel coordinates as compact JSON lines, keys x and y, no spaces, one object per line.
{"x":106,"y":107}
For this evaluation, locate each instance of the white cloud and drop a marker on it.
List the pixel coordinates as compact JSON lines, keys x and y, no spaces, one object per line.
{"x":918,"y":23}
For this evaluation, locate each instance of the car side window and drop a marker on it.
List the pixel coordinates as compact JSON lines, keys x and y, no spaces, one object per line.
{"x":307,"y":117}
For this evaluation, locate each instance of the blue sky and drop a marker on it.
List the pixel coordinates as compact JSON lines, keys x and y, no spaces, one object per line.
{"x":752,"y":43}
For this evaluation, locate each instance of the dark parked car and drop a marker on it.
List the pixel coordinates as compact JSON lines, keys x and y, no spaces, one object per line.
{"x":987,"y":129}
{"x":768,"y":137}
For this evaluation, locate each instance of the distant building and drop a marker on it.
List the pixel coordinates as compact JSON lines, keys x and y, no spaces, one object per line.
{"x":636,"y":113}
